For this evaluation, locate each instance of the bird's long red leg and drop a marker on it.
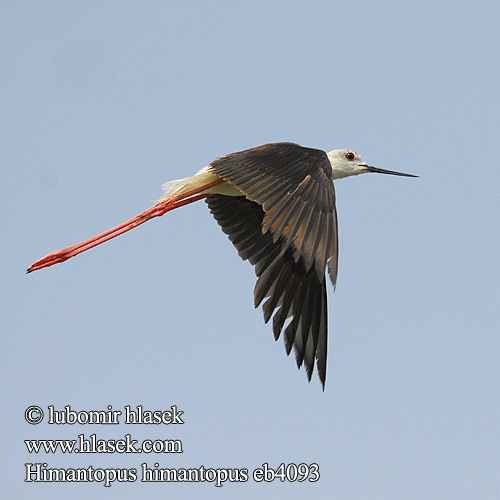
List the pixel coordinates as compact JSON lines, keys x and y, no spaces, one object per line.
{"x":157,"y":210}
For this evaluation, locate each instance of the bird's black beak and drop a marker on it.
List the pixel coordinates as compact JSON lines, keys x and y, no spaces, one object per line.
{"x":382,"y":171}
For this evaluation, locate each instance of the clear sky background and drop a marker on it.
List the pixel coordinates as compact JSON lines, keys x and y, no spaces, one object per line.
{"x":104,"y":101}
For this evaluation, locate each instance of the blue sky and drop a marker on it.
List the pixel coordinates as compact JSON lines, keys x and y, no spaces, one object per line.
{"x":104,"y":101}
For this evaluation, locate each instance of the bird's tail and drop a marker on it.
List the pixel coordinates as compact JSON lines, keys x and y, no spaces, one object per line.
{"x":199,"y":181}
{"x":171,"y":188}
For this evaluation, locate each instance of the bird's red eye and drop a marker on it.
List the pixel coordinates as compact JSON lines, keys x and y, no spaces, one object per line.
{"x":350,"y":155}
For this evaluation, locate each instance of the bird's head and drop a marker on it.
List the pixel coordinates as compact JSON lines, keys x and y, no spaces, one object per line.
{"x":346,"y":162}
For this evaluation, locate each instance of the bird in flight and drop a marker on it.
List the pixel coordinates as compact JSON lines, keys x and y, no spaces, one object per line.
{"x":276,"y":203}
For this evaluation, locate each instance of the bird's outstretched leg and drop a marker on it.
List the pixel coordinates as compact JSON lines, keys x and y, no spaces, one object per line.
{"x":160,"y":208}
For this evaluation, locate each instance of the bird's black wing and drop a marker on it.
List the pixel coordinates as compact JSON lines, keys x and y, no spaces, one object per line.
{"x":294,"y":187}
{"x":287,"y":227}
{"x":292,"y":291}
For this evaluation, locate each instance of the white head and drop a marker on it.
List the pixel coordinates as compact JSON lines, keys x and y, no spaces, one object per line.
{"x":346,"y":162}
